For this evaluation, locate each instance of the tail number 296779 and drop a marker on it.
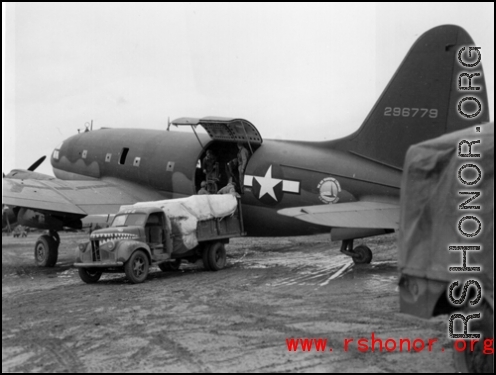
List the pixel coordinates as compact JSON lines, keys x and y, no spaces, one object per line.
{"x":410,"y":112}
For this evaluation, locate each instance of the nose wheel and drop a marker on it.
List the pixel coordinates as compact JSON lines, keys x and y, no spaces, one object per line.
{"x":360,"y":254}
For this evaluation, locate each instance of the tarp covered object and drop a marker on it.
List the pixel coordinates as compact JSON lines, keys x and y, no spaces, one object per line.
{"x":430,"y":213}
{"x":184,"y":214}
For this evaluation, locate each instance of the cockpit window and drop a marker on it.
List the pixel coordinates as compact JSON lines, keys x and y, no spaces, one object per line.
{"x":127,"y":220}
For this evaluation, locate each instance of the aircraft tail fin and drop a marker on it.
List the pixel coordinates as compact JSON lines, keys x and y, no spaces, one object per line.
{"x":421,"y":100}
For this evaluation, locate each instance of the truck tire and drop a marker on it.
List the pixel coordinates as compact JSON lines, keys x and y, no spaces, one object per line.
{"x":170,"y":266}
{"x":89,"y":275}
{"x":46,"y":251}
{"x":217,"y":256}
{"x":137,"y":266}
{"x":206,"y":263}
{"x":476,"y":361}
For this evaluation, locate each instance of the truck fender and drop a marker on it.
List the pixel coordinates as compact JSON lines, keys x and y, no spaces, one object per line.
{"x":126,"y":248}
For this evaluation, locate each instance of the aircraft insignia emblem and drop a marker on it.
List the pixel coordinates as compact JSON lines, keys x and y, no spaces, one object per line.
{"x":329,"y":190}
{"x":270,"y":190}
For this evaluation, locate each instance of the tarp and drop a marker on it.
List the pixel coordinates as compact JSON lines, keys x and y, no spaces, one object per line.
{"x":184,"y":214}
{"x":430,"y":214}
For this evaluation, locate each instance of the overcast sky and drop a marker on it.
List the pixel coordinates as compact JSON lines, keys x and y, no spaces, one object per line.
{"x":296,"y":71}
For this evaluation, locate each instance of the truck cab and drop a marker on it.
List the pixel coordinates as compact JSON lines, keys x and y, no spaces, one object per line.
{"x":135,"y":239}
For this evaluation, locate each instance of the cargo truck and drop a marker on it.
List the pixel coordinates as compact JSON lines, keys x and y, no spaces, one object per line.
{"x":163,"y":233}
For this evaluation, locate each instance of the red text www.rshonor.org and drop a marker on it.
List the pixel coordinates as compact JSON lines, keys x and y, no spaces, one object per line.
{"x":362,"y":344}
{"x":375,"y":344}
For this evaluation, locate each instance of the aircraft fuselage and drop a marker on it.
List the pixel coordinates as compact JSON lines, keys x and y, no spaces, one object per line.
{"x":279,"y":174}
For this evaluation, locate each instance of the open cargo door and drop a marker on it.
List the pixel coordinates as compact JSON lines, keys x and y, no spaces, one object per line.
{"x":225,"y":133}
{"x":225,"y":129}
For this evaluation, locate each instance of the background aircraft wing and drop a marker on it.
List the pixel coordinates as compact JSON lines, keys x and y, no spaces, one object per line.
{"x":74,"y":197}
{"x":361,"y":214}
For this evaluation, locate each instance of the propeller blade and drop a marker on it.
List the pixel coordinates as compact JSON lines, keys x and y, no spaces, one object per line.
{"x":37,"y":163}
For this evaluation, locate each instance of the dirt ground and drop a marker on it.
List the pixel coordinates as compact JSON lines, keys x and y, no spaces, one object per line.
{"x":234,"y":320}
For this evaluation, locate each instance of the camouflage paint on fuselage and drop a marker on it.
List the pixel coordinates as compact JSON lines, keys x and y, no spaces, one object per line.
{"x":164,"y":161}
{"x":281,"y":174}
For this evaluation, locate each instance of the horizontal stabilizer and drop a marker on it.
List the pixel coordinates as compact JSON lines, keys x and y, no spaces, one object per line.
{"x":349,"y":215}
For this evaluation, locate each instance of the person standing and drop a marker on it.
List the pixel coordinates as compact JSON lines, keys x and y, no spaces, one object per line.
{"x":243,"y":156}
{"x":210,"y":166}
{"x":232,"y":170}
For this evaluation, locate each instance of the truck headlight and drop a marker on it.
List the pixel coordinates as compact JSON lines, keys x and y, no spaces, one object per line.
{"x":82,"y":247}
{"x":108,"y":246}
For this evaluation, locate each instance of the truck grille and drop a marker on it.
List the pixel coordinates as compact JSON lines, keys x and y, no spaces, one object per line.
{"x":99,"y":255}
{"x":95,"y":251}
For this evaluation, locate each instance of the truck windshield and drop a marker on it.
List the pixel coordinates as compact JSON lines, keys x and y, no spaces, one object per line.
{"x":128,"y":220}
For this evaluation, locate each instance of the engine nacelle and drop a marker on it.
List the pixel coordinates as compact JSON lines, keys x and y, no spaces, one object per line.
{"x":45,"y":220}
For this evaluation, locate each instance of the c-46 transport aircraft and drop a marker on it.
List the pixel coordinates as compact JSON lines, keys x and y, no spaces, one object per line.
{"x":349,"y":187}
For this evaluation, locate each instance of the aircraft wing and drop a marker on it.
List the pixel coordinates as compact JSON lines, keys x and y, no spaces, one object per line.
{"x":360,"y":214}
{"x":73,"y":197}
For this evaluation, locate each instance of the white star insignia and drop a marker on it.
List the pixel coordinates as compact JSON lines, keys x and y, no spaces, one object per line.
{"x":267,"y":184}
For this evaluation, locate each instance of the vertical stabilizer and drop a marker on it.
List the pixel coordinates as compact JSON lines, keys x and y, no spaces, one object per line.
{"x":421,"y":100}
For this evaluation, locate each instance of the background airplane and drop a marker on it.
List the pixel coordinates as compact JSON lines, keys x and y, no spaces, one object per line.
{"x":9,"y":219}
{"x":348,"y":186}
{"x":9,"y":215}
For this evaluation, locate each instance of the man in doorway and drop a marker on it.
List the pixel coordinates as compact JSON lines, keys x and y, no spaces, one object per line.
{"x":210,"y":166}
{"x":232,"y":170}
{"x":243,"y":156}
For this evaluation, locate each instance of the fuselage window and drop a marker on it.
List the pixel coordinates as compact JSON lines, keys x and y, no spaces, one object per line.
{"x":122,"y":160}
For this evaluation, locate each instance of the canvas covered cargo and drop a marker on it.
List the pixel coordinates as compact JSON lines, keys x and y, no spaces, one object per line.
{"x":430,"y":217}
{"x":185,"y":213}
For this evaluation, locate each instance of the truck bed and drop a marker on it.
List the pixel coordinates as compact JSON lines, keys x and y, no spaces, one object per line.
{"x":221,"y":228}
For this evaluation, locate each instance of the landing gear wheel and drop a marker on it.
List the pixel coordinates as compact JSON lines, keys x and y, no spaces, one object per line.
{"x":54,"y":234}
{"x":89,"y":276}
{"x":46,"y":251}
{"x":362,"y":254}
{"x":476,"y":361}
{"x":170,"y":266}
{"x":206,"y":262}
{"x":217,"y":256}
{"x":137,"y":266}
